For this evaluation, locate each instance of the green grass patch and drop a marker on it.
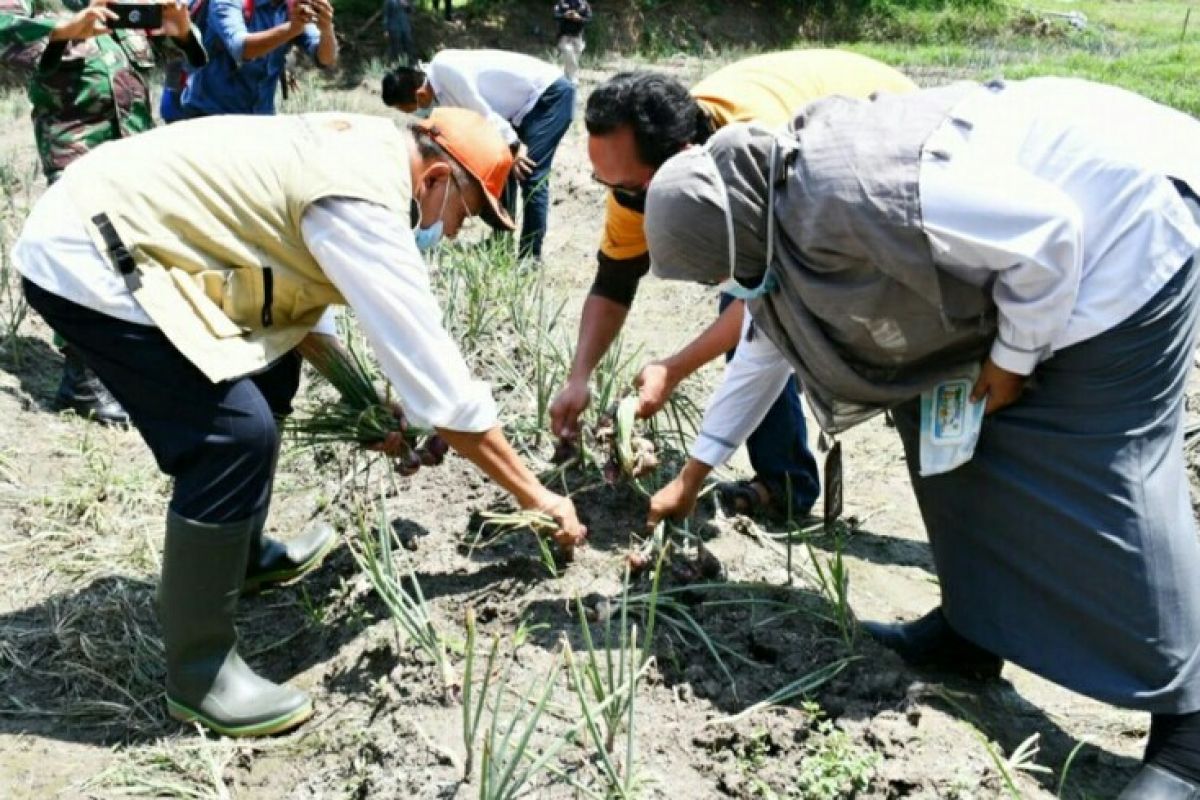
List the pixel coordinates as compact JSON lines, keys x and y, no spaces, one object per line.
{"x":1141,"y":46}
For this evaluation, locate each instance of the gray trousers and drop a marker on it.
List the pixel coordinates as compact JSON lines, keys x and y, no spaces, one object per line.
{"x":1067,"y":544}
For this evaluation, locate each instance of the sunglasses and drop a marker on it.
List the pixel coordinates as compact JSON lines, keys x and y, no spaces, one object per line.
{"x":624,"y":191}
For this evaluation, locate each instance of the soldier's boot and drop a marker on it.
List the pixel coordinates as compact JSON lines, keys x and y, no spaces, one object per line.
{"x":273,"y":562}
{"x":207,"y":681}
{"x":82,"y":392}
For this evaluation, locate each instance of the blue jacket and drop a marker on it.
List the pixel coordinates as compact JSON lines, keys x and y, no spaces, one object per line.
{"x":228,"y":84}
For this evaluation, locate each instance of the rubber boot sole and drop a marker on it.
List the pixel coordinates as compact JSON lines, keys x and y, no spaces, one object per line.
{"x":280,"y":724}
{"x":279,"y":577}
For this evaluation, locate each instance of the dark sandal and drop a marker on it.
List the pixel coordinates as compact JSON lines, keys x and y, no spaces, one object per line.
{"x":740,"y":497}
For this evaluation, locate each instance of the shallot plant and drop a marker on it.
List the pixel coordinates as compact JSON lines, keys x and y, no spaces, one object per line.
{"x":374,"y":549}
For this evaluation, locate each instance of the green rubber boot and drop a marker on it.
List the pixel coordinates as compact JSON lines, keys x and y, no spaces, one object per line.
{"x":207,"y":681}
{"x":273,"y":562}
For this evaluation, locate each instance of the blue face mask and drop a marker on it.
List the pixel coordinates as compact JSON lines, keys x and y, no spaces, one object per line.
{"x":769,"y":280}
{"x":735,"y":290}
{"x":428,"y":238}
{"x":423,"y":113}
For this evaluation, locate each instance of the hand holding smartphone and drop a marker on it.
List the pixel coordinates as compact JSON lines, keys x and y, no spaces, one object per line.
{"x":136,"y":15}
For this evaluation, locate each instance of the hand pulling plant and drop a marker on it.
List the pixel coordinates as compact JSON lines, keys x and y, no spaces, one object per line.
{"x":624,"y":453}
{"x":505,"y":523}
{"x":630,"y":455}
{"x":627,"y":450}
{"x":361,"y":416}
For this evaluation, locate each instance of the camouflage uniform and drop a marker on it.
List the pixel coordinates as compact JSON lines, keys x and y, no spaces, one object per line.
{"x":84,"y":92}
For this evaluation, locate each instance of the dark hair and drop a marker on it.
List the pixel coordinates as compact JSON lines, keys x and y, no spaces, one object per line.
{"x":401,"y":84}
{"x":663,"y":115}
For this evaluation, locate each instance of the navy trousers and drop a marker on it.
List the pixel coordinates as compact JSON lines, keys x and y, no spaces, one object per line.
{"x":217,"y":440}
{"x":541,"y":131}
{"x":399,"y":33}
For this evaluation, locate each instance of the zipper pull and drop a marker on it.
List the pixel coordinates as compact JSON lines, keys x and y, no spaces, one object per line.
{"x":268,"y":297}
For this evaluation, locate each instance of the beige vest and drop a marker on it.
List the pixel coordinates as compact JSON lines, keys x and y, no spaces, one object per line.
{"x":210,"y":210}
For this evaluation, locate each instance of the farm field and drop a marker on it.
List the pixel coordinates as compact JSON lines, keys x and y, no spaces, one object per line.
{"x":738,"y":672}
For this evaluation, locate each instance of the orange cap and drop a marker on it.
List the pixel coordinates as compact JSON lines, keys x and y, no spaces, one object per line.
{"x":480,"y":150}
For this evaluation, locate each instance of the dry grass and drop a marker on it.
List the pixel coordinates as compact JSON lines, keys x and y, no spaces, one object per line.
{"x":79,"y":646}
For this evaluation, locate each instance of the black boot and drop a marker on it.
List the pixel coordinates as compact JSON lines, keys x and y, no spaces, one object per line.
{"x":272,"y":561}
{"x":82,"y":392}
{"x":1155,"y":783}
{"x":207,"y":681}
{"x":930,"y":643}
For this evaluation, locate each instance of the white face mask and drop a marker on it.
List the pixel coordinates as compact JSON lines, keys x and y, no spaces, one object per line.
{"x":769,"y":282}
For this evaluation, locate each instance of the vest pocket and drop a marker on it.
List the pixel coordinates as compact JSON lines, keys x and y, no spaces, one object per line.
{"x":243,"y":296}
{"x":253,"y":298}
{"x":213,"y":316}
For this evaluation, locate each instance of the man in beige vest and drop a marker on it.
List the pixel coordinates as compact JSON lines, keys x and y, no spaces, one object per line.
{"x":191,"y":274}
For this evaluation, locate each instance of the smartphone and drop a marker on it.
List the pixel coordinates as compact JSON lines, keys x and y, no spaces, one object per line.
{"x":136,"y":15}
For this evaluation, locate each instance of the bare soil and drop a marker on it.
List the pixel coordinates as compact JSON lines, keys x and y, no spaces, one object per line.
{"x":81,"y":709}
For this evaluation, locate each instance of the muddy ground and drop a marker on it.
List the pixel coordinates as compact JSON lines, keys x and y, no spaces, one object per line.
{"x":81,"y":709}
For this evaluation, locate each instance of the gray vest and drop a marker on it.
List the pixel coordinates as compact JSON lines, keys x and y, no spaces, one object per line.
{"x":862,"y":312}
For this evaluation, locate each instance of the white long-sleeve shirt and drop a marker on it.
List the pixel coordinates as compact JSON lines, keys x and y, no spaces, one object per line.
{"x":1058,"y":188}
{"x":1057,"y":191}
{"x":500,"y":85}
{"x":367,"y":252}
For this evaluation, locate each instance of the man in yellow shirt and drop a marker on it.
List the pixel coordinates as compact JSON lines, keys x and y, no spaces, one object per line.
{"x":635,"y":122}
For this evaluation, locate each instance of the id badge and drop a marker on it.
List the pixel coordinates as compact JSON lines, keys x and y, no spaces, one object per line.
{"x":950,"y":411}
{"x":950,"y":426}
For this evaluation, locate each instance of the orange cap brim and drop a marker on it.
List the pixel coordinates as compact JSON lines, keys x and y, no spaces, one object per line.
{"x":493,"y":213}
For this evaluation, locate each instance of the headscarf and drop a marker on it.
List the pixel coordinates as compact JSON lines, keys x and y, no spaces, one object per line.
{"x":686,"y":226}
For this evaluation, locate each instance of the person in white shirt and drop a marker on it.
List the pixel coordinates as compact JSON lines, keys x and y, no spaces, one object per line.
{"x":198,"y":327}
{"x":529,"y":101}
{"x":572,"y":16}
{"x":1037,"y":238}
